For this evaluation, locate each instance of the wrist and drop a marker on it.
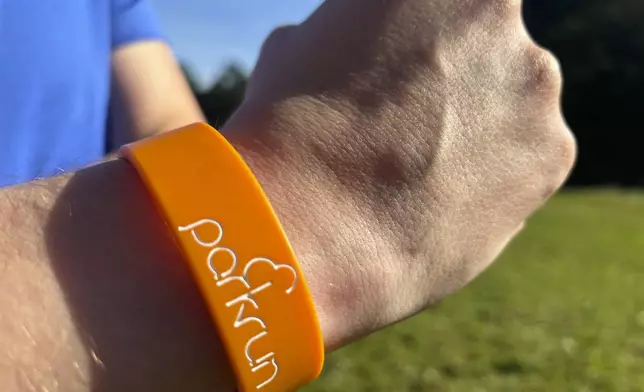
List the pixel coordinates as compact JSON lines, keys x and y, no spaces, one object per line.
{"x":134,"y":302}
{"x":333,"y":295}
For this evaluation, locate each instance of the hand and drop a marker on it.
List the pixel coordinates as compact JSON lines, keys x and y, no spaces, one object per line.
{"x":403,"y":144}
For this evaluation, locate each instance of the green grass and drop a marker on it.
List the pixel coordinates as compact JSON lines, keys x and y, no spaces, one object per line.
{"x":562,"y":310}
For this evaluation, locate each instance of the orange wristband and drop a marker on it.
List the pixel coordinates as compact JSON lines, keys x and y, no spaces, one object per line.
{"x":238,"y":254}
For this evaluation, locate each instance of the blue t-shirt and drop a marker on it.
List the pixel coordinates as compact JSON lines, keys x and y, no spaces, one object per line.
{"x":55,"y":80}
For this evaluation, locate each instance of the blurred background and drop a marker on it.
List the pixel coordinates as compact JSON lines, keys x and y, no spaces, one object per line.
{"x":563,"y":310}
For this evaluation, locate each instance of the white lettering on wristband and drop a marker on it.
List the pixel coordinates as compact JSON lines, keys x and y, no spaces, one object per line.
{"x":244,"y":301}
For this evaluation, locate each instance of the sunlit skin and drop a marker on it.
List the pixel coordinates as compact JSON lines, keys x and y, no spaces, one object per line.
{"x":403,"y":144}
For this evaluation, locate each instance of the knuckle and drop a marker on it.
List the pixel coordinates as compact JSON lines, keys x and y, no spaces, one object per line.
{"x":545,"y":71}
{"x":277,"y":37}
{"x":280,"y":32}
{"x":560,"y":161}
{"x":567,"y":152}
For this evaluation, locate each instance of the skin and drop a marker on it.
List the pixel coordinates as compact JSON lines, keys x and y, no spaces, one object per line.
{"x":415,"y":138}
{"x":402,"y":150}
{"x":142,"y":75}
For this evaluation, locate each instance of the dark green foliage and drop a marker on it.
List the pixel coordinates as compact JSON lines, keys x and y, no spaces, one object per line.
{"x":221,"y":100}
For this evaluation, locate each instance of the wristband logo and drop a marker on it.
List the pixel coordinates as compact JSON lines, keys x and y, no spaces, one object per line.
{"x":253,"y":281}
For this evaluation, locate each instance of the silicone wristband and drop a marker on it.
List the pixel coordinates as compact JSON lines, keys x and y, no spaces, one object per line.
{"x":238,"y":254}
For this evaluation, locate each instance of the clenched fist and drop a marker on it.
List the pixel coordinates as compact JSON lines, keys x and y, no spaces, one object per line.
{"x":403,"y":144}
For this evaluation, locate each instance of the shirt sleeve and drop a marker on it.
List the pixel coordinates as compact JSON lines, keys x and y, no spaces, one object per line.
{"x":133,"y":20}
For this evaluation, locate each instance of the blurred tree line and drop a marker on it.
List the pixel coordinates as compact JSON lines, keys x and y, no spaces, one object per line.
{"x":219,"y":101}
{"x":600,"y":44}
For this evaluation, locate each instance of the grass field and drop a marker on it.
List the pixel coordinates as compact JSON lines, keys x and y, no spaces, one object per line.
{"x":563,"y":310}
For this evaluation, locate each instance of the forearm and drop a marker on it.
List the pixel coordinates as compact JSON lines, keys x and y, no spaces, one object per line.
{"x":94,"y":295}
{"x":126,"y":127}
{"x":150,"y":94}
